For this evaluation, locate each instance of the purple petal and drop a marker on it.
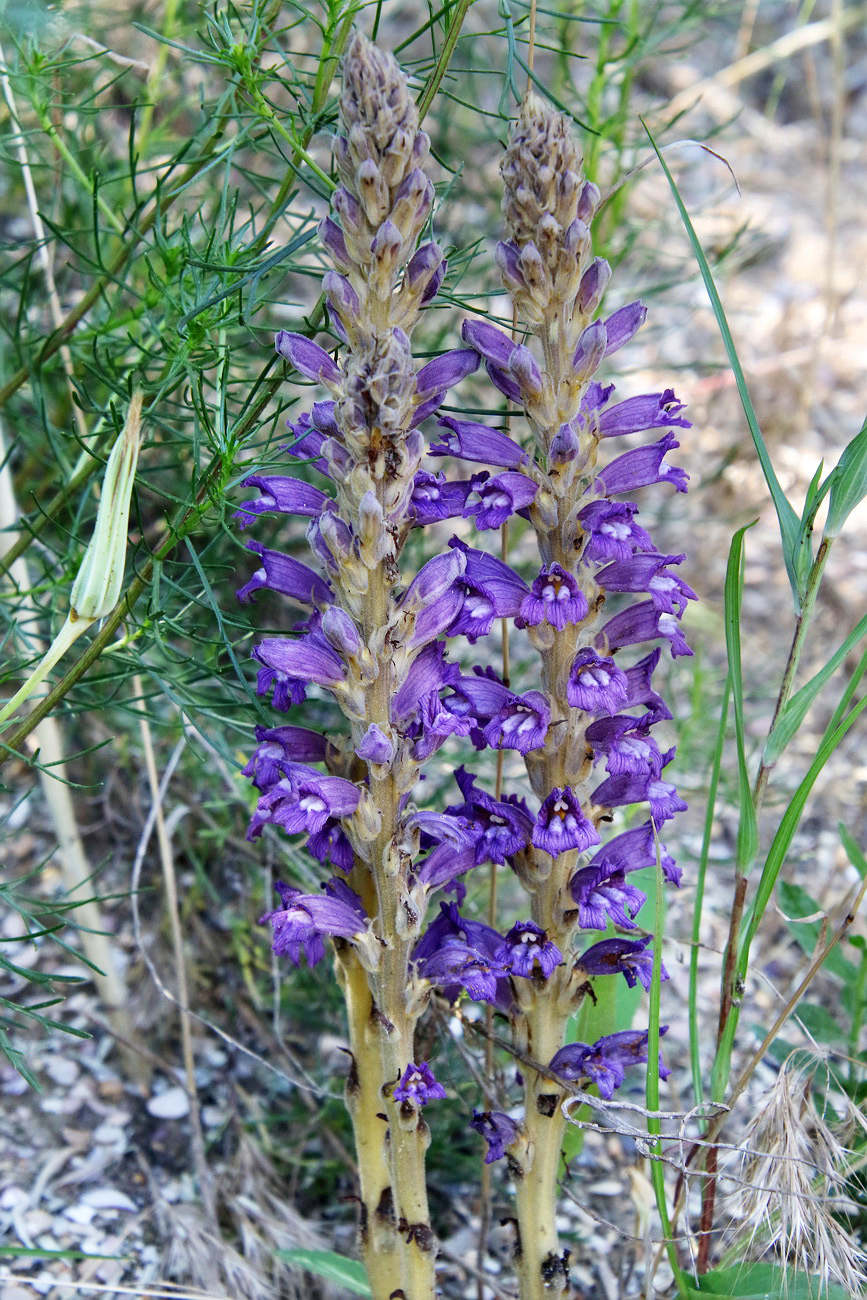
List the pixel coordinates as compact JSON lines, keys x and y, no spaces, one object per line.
{"x":470,"y":441}
{"x":307,"y":357}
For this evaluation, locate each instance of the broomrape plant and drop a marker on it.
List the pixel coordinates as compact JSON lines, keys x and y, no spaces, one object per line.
{"x":399,"y":653}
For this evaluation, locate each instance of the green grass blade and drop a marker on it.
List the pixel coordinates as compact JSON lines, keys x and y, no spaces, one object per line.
{"x":788,"y":519}
{"x":748,"y":832}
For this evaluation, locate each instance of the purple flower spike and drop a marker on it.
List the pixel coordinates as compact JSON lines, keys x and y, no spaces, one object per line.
{"x":641,"y":467}
{"x":606,"y":1061}
{"x":613,"y":533}
{"x":561,"y":825}
{"x":418,"y":1085}
{"x":631,"y":957}
{"x":602,"y":894}
{"x":307,"y":357}
{"x":441,"y":374}
{"x":290,"y":577}
{"x":554,"y":598}
{"x":623,"y":324}
{"x":469,"y":441}
{"x":495,"y":500}
{"x":652,"y":411}
{"x":528,"y":951}
{"x":299,"y":925}
{"x":498,"y":1130}
{"x":520,"y":723}
{"x":595,"y":684}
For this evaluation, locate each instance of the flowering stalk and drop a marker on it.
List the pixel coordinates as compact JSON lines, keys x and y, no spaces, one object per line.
{"x":591,"y":548}
{"x":371,"y":641}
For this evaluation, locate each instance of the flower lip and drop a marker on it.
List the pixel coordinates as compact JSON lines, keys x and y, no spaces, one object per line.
{"x":418,"y":1086}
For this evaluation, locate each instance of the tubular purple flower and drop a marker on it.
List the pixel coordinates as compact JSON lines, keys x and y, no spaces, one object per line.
{"x":308,"y":358}
{"x":340,"y":632}
{"x":640,"y":623}
{"x":527,"y":951}
{"x":648,"y":573}
{"x":469,"y":441}
{"x":626,"y":745}
{"x":286,"y":496}
{"x":433,"y":580}
{"x":428,"y":672}
{"x":601,"y":894}
{"x":436,"y":724}
{"x":595,"y":684}
{"x":434,"y":497}
{"x":630,"y":787}
{"x":605,"y":1062}
{"x":335,"y":244}
{"x":652,"y":411}
{"x":307,"y":659}
{"x":441,"y":374}
{"x":554,"y":598}
{"x":613,"y":534}
{"x":623,"y":324}
{"x":418,"y":1086}
{"x":594,"y":282}
{"x":494,"y":500}
{"x":561,"y":825}
{"x":636,"y":849}
{"x":525,"y":369}
{"x":491,"y":343}
{"x":630,"y":957}
{"x":289,"y":576}
{"x":520,"y":723}
{"x":303,"y":800}
{"x":330,"y":845}
{"x":299,"y":925}
{"x":641,"y":467}
{"x":279,"y":746}
{"x":498,"y":1130}
{"x":590,"y":351}
{"x":502,"y":826}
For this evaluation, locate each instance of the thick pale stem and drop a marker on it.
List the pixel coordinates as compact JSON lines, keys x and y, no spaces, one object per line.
{"x":540,"y":1264}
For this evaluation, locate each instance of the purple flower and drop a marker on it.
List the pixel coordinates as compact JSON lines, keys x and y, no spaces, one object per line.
{"x":649,"y":573}
{"x":651,"y":411}
{"x":623,"y":324}
{"x":375,"y":746}
{"x":307,"y":357}
{"x":630,"y":787}
{"x":299,"y":925}
{"x":639,"y":468}
{"x":287,"y":496}
{"x":613,"y":534}
{"x":457,"y":953}
{"x":418,"y":1085}
{"x":494,"y":500}
{"x":428,"y":672}
{"x":498,"y":1130}
{"x":434,"y":497}
{"x":502,"y":826}
{"x":330,"y":845}
{"x":437,"y":723}
{"x":527,"y":950}
{"x":628,"y":748}
{"x":605,"y":1062}
{"x":491,"y":590}
{"x":640,"y":623}
{"x":442,"y":867}
{"x":601,"y":894}
{"x":636,"y":849}
{"x":591,"y":348}
{"x":279,"y":746}
{"x":520,"y":723}
{"x":469,"y":441}
{"x":631,"y":957}
{"x":441,"y":374}
{"x":639,"y":689}
{"x":491,"y":343}
{"x":595,"y":684}
{"x":303,"y":800}
{"x":286,"y":662}
{"x":561,"y":825}
{"x":554,"y":598}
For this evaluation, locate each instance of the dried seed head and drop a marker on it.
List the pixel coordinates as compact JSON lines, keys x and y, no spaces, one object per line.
{"x":542,"y":174}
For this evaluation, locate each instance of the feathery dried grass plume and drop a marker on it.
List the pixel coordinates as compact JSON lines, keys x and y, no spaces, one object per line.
{"x":793,"y":1180}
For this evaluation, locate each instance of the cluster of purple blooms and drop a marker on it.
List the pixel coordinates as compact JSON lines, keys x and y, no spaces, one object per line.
{"x":319,"y":787}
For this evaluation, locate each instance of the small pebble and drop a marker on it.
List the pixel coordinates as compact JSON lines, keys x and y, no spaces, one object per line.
{"x":171,"y":1104}
{"x":108,"y":1198}
{"x":63,"y":1071}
